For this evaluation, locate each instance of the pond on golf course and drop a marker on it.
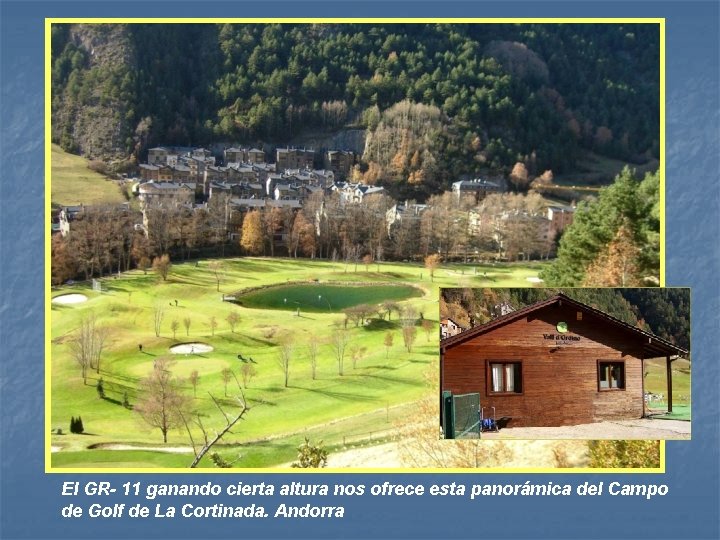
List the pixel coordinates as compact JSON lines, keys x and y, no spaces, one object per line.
{"x":324,"y":297}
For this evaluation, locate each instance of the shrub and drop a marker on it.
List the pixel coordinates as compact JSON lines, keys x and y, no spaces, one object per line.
{"x":311,"y":456}
{"x":631,"y":454}
{"x":219,"y":461}
{"x":98,"y":166}
{"x":76,"y":425}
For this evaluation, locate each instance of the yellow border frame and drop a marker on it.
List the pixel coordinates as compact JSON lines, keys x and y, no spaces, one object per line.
{"x":48,"y":137}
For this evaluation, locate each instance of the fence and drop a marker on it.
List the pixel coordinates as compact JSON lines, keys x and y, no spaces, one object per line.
{"x":461,"y":415}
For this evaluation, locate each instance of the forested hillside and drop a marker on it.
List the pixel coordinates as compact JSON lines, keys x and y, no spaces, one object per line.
{"x":438,"y":100}
{"x":663,"y":312}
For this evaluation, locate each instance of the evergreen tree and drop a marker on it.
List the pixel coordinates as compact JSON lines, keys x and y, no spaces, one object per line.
{"x":597,"y":223}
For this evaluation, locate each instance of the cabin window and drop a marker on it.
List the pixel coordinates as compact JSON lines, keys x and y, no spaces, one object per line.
{"x":505,"y":377}
{"x":611,"y":375}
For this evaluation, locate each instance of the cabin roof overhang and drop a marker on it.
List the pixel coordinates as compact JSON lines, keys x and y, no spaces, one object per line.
{"x":653,"y":346}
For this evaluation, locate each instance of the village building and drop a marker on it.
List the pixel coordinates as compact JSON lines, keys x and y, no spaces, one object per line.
{"x":477,"y":188}
{"x":294,"y":158}
{"x":214,"y":174}
{"x":66,"y":216}
{"x":243,"y":155}
{"x":355,"y":193}
{"x":70,"y":214}
{"x":197,"y":165}
{"x":233,"y":155}
{"x":240,"y":190}
{"x":449,"y":328}
{"x":560,"y":218}
{"x":254,"y":155}
{"x":407,"y":211}
{"x":151,"y":192}
{"x":149,"y":172}
{"x":158,"y":155}
{"x":285,"y":192}
{"x":340,"y":162}
{"x":557,"y":362}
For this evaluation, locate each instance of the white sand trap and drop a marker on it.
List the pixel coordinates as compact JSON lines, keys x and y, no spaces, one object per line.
{"x":54,"y":449}
{"x":534,"y":279}
{"x":191,"y":348}
{"x":74,"y":298}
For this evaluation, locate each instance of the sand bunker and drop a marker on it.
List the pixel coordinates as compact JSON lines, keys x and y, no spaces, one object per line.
{"x":73,"y":298}
{"x":191,"y":348}
{"x":534,"y":279}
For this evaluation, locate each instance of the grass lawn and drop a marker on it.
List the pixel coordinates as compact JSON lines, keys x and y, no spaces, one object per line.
{"x":680,"y":412}
{"x":73,"y":182}
{"x":656,"y":383}
{"x":378,"y":387}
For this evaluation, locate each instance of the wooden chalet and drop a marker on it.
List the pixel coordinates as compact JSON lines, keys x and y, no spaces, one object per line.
{"x":557,"y":362}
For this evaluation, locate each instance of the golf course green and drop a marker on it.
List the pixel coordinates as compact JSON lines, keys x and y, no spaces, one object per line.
{"x":358,"y":398}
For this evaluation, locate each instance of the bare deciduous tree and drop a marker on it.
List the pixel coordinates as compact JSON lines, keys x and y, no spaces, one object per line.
{"x":367,"y":261}
{"x":247,"y":372}
{"x":284,"y":357}
{"x":174,"y":327}
{"x":408,"y":328}
{"x":194,"y":380}
{"x":186,"y":323}
{"x":339,"y":340}
{"x":227,"y":375}
{"x":356,"y":354}
{"x":213,"y":324}
{"x":218,"y":269}
{"x":428,"y":326}
{"x":233,"y":319}
{"x":431,"y":263}
{"x":158,"y":315}
{"x":208,"y":441}
{"x":162,"y":403}
{"x":162,"y":266}
{"x":313,"y":347}
{"x":409,"y":335}
{"x":389,"y":338}
{"x":389,"y":307}
{"x":87,"y":344}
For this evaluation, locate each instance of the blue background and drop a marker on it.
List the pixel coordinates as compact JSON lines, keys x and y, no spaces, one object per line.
{"x":31,"y":499}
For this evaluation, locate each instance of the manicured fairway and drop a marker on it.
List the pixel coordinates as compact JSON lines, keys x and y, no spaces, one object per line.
{"x":378,"y":386}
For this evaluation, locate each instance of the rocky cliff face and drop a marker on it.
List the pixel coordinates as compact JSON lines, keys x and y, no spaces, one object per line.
{"x":345,"y":139}
{"x":92,"y":112}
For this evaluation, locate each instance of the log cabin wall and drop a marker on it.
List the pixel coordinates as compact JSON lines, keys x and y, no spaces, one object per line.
{"x":559,"y":377}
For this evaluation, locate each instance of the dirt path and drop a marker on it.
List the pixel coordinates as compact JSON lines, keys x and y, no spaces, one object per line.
{"x":523,"y":454}
{"x":642,"y":428}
